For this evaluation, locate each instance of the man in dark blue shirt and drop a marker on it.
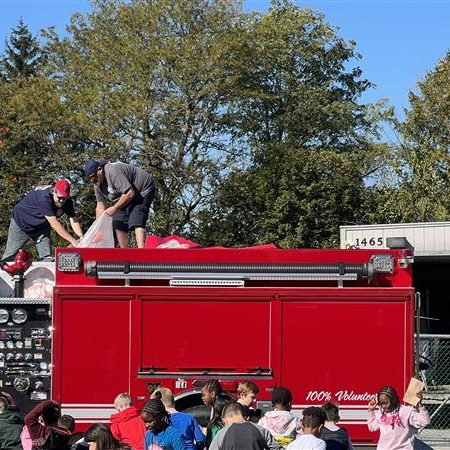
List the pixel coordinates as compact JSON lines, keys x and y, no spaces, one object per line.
{"x":34,"y":217}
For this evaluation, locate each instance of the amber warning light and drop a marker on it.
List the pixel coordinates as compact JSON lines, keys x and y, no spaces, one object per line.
{"x":383,"y":263}
{"x":69,"y":262}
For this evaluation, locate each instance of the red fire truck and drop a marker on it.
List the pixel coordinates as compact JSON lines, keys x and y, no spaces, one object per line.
{"x":331,"y":325}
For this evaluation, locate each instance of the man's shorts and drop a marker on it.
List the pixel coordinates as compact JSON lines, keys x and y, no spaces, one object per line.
{"x":135,"y":214}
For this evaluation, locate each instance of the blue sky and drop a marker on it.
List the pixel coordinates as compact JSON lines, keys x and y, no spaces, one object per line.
{"x":399,"y":40}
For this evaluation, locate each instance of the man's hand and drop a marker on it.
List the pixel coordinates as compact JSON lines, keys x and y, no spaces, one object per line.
{"x":111,"y":210}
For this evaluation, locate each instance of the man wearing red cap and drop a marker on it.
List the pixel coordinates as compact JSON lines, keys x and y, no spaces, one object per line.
{"x":34,"y":217}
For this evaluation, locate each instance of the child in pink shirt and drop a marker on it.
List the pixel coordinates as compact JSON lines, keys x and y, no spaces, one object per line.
{"x":397,"y":423}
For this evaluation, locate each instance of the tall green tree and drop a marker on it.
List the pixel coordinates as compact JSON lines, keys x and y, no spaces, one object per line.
{"x":293,"y":198}
{"x":311,"y":139}
{"x":23,"y":54}
{"x":416,"y":181}
{"x":151,"y":81}
{"x":36,"y":127}
{"x":37,"y":140}
{"x":300,"y":82}
{"x":196,"y":90}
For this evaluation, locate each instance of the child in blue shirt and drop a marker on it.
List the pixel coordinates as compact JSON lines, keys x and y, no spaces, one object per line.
{"x":183,"y":422}
{"x":160,"y":434}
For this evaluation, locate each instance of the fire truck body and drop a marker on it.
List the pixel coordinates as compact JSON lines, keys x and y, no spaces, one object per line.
{"x":331,"y":325}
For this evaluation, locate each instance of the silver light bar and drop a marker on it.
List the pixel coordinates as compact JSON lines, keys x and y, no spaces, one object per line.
{"x":231,"y":276}
{"x":230,"y":283}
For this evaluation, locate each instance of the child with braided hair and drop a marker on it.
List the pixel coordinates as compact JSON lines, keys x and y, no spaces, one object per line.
{"x":397,"y":423}
{"x":160,"y":433}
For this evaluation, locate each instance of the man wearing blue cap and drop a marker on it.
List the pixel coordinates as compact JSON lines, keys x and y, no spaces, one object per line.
{"x":36,"y":214}
{"x":131,"y":191}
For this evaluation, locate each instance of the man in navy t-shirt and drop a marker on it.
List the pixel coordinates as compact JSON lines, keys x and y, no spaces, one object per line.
{"x":34,"y":217}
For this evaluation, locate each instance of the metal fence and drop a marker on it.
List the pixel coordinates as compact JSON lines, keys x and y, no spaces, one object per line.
{"x":435,"y":373}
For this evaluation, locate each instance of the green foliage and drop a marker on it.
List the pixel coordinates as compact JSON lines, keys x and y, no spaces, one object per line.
{"x":311,"y":142}
{"x":415,"y":183}
{"x":250,"y":123}
{"x":23,"y":54}
{"x":294,"y":198}
{"x":39,"y":143}
{"x":150,"y":82}
{"x":296,"y":85}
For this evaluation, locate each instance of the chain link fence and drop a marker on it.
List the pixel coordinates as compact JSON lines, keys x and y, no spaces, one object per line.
{"x":434,"y":360}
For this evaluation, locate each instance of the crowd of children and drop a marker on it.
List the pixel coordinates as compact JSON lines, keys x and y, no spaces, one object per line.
{"x":232,"y":424}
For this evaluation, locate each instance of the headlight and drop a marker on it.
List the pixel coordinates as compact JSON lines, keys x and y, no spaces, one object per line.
{"x":19,"y":315}
{"x":4,"y":315}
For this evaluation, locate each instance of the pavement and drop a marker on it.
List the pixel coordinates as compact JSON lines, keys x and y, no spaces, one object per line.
{"x":433,"y":439}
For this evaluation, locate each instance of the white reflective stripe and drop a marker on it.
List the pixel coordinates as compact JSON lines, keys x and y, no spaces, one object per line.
{"x":90,"y":421}
{"x":353,"y":422}
{"x":89,"y":413}
{"x":87,"y":405}
{"x":346,"y":414}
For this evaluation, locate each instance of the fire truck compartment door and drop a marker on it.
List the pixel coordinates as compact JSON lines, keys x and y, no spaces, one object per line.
{"x":206,"y":335}
{"x":92,"y":346}
{"x":346,"y":350}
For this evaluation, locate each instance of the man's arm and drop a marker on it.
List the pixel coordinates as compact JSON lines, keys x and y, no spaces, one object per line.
{"x":61,"y":230}
{"x":100,"y":208}
{"x":124,"y":199}
{"x":76,"y":226}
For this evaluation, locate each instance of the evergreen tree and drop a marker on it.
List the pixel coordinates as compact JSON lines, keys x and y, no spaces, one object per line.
{"x":23,"y":55}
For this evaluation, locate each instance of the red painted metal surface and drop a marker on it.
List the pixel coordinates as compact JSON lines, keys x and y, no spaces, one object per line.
{"x":322,"y":341}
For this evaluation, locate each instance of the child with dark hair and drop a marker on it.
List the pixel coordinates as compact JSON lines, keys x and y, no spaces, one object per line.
{"x":282,"y":424}
{"x":397,"y":423}
{"x":210,"y":391}
{"x":67,"y":422}
{"x":335,"y":437}
{"x":11,"y":425}
{"x":216,"y":423}
{"x":237,"y":433}
{"x":160,"y":433}
{"x":42,"y":425}
{"x":99,"y":437}
{"x":313,"y":421}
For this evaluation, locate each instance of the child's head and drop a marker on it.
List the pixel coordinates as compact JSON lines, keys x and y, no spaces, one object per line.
{"x":165,"y":395}
{"x":232,"y":413}
{"x":3,"y":404}
{"x":6,"y":402}
{"x":154,"y":415}
{"x":99,"y":437}
{"x":313,"y":420}
{"x":51,"y":415}
{"x":331,"y":411}
{"x":388,"y":399}
{"x":123,"y":401}
{"x":282,"y":399}
{"x":247,"y":391}
{"x":210,"y":391}
{"x":67,"y":422}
